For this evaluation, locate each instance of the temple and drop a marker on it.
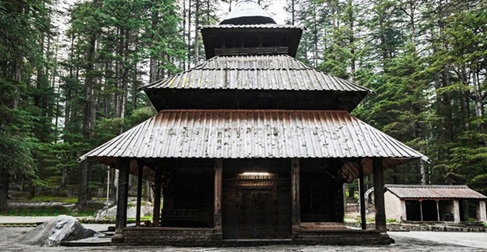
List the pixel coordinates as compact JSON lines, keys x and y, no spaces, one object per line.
{"x":251,"y":146}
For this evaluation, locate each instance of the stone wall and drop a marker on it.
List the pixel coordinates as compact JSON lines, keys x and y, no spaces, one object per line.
{"x":171,"y":236}
{"x":204,"y":237}
{"x":442,"y":227}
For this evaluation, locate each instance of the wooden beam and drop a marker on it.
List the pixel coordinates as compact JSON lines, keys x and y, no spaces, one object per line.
{"x":362,"y":196}
{"x":295,"y":180}
{"x":481,"y":211}
{"x":456,"y":211}
{"x":218,"y":196}
{"x":156,"y":216}
{"x":380,"y":211}
{"x":438,"y":218}
{"x":421,"y":209}
{"x":121,"y":219}
{"x":139,"y":192}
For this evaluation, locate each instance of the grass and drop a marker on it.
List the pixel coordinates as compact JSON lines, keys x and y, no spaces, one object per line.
{"x":36,"y":211}
{"x":87,"y":211}
{"x":142,"y":219}
{"x":45,"y":198}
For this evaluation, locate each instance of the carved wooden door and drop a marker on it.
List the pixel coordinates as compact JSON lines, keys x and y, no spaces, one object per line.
{"x":256,"y":208}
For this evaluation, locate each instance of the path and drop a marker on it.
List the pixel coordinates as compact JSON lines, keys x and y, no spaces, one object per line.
{"x":405,"y":241}
{"x":474,"y":240}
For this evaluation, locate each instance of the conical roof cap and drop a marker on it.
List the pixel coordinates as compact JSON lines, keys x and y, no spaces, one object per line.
{"x":247,"y":12}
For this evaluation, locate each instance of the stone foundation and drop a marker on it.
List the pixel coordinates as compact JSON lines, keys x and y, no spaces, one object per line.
{"x":441,"y":227}
{"x":205,"y":237}
{"x":171,"y":236}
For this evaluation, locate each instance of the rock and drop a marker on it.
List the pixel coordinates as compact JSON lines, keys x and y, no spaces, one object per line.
{"x":146,"y":210}
{"x":51,"y":233}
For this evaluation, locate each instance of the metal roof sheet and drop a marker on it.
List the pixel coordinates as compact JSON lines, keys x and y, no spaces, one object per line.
{"x":253,"y":26}
{"x":271,"y":72}
{"x":252,"y":134}
{"x":249,"y":11}
{"x":434,"y":192}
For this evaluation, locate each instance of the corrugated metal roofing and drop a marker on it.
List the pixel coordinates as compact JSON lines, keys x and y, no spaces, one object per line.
{"x":257,"y":26}
{"x":252,"y":134}
{"x":434,"y":192}
{"x":273,"y":72}
{"x":249,"y":11}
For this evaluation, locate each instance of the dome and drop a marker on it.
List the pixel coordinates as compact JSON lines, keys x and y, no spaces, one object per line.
{"x":247,"y":12}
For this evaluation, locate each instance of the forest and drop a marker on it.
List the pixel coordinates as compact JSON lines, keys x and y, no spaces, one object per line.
{"x":70,"y":72}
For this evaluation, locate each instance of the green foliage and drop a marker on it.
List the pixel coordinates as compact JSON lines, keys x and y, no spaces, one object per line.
{"x":46,"y":198}
{"x":16,"y":143}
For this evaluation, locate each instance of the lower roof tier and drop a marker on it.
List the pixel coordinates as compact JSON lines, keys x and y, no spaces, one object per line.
{"x":243,"y":134}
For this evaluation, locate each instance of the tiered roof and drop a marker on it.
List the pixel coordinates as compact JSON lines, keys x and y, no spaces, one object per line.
{"x":253,"y":99}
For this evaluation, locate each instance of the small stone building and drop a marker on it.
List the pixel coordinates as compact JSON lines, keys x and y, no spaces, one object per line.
{"x":456,"y":203}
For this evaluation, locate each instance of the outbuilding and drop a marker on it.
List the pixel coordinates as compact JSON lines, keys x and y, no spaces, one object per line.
{"x":455,"y":203}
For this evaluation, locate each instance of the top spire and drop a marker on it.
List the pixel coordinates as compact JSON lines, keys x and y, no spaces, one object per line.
{"x":247,"y":12}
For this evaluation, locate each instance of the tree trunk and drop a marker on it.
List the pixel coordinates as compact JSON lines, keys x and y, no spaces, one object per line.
{"x":4,"y":180}
{"x":352,"y":40}
{"x":189,"y":34}
{"x":88,"y":122}
{"x":196,"y":31}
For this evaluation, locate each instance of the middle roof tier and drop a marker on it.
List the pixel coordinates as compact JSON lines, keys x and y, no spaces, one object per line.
{"x":254,"y":82}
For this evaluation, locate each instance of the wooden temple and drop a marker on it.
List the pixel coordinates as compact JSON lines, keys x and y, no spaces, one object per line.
{"x":251,"y":147}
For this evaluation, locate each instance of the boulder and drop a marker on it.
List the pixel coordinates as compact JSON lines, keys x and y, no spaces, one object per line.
{"x":111,"y":213}
{"x":51,"y":233}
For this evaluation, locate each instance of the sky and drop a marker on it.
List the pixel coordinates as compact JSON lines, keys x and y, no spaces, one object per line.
{"x":276,"y":9}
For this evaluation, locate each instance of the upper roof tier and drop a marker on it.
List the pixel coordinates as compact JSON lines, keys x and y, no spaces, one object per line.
{"x":247,"y":12}
{"x":249,"y":30}
{"x":254,"y":82}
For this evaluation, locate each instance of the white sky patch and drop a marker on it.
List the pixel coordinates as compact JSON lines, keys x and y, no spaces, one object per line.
{"x":276,"y":10}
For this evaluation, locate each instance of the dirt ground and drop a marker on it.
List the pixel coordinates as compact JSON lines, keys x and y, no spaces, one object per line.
{"x":405,"y":241}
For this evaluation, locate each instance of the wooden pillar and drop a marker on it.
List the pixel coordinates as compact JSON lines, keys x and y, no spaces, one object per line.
{"x":481,"y":211}
{"x":362,"y":196}
{"x":380,"y":212}
{"x":438,"y":218}
{"x":121,"y":219}
{"x":156,"y":216}
{"x":139,"y":192}
{"x":218,"y":197}
{"x":421,"y":209}
{"x":4,"y":183}
{"x":295,"y":180}
{"x":465,"y":211}
{"x":404,"y":213}
{"x":456,"y":211}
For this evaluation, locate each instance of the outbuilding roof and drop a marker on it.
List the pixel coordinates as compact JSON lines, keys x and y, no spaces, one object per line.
{"x":240,"y":134}
{"x":434,"y":192}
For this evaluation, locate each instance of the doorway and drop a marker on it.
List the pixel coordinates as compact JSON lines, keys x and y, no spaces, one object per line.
{"x":256,"y":205}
